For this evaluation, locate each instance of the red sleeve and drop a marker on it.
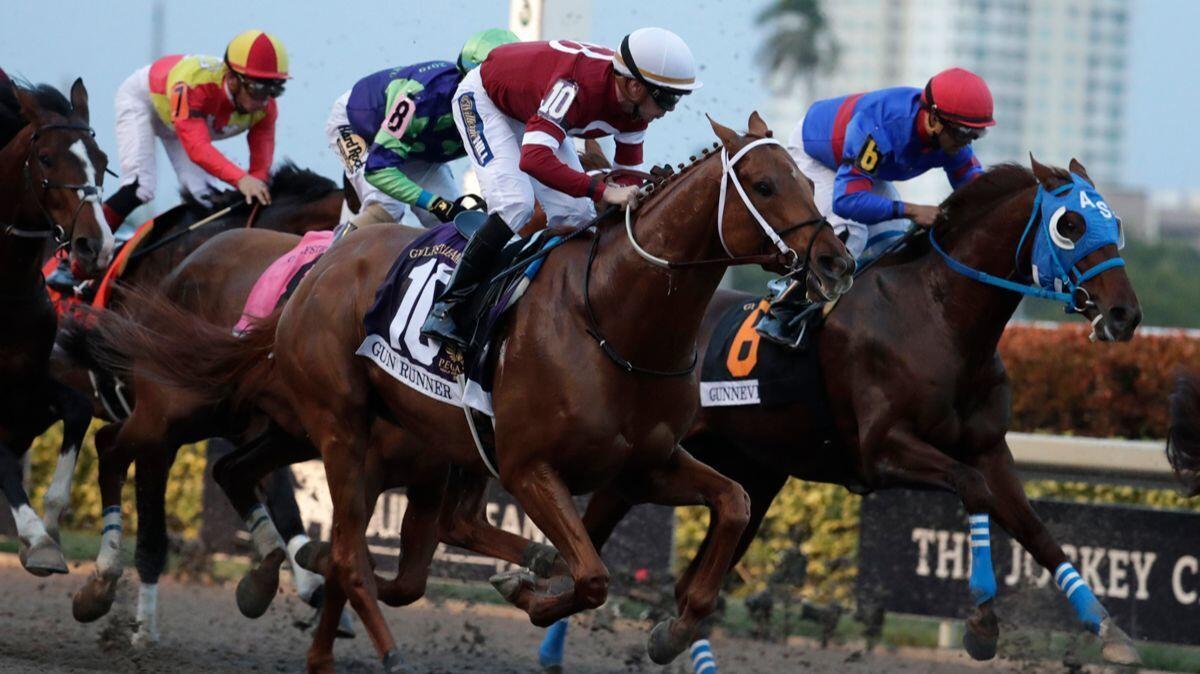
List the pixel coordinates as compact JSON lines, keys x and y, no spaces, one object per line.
{"x":261,"y":140}
{"x":541,"y":140}
{"x":628,"y":154}
{"x":187,"y":115}
{"x":193,"y":135}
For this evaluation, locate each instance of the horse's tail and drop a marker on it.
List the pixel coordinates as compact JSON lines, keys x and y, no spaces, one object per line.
{"x":1183,"y":440}
{"x":168,"y":344}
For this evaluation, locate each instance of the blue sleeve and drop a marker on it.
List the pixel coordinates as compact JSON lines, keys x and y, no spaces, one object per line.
{"x":853,"y":199}
{"x":963,"y":168}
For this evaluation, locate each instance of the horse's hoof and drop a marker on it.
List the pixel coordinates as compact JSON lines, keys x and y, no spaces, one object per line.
{"x":510,"y":583}
{"x":979,"y":647}
{"x":256,"y":590}
{"x":314,"y":556}
{"x":392,"y":664}
{"x":664,"y":645}
{"x":981,"y":633}
{"x":95,"y":598}
{"x":345,"y":628}
{"x":43,"y":559}
{"x":144,"y":638}
{"x":1118,"y":647}
{"x":541,"y":559}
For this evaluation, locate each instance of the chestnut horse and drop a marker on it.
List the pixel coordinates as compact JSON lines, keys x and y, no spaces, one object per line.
{"x":918,"y":392}
{"x":51,"y":171}
{"x":302,"y":201}
{"x":620,"y":425}
{"x":1183,"y":441}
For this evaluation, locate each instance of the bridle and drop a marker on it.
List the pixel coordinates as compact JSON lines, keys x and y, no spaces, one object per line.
{"x":90,"y":192}
{"x":787,"y":257}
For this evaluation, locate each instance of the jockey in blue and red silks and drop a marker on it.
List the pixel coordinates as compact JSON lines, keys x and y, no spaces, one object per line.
{"x":853,"y":147}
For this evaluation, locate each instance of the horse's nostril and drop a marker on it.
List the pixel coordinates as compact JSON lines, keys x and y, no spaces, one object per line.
{"x":84,"y":247}
{"x":834,"y":265}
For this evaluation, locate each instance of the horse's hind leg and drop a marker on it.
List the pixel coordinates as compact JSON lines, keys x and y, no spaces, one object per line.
{"x":76,"y":412}
{"x":686,"y":481}
{"x":463,"y":524}
{"x":418,"y":542}
{"x":1012,"y":511}
{"x":150,"y":555}
{"x":40,"y":555}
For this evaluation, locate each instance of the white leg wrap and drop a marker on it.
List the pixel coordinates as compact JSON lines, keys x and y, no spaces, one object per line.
{"x":147,"y":616}
{"x":58,"y":496}
{"x":29,"y":525}
{"x":306,"y":581}
{"x":108,"y":562}
{"x":262,"y":530}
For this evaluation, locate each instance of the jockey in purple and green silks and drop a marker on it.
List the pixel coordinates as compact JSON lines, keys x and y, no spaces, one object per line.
{"x":395,"y":135}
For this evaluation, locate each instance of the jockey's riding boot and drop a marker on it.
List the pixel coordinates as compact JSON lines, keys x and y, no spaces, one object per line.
{"x":776,"y":324}
{"x":62,"y":280}
{"x":473,"y":269}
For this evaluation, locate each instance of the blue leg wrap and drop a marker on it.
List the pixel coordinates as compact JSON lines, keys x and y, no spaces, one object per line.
{"x":983,"y":577}
{"x":1087,"y":607}
{"x":551,"y":650}
{"x":703,"y":660}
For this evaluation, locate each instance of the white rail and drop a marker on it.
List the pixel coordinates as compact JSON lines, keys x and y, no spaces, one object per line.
{"x":1141,"y":462}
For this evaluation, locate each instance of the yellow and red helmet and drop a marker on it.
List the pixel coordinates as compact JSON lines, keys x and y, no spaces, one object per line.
{"x":258,"y":55}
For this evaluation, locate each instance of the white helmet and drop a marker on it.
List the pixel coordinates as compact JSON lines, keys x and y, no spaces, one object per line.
{"x":659,"y":59}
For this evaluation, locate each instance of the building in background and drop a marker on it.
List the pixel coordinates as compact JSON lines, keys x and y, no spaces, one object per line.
{"x":1058,"y":70}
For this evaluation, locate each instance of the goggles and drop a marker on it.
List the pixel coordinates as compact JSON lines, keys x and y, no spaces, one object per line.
{"x":963,"y":134}
{"x":261,"y":89}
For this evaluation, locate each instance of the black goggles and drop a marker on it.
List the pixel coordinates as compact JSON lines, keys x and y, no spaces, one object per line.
{"x":262,"y":89}
{"x":963,"y":134}
{"x":667,"y":100}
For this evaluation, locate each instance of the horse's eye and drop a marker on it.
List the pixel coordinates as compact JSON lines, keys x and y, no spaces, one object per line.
{"x":764,"y":188}
{"x":46,"y":160}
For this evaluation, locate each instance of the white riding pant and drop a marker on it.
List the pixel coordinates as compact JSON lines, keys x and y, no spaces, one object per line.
{"x":493,"y":142}
{"x":436,"y":178}
{"x":864,"y":241}
{"x":138,"y":126}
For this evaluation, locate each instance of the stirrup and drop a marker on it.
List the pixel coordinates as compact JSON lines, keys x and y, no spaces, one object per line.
{"x":440,"y":325}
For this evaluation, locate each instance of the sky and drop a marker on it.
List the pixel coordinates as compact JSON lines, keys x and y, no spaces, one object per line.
{"x":332,"y":44}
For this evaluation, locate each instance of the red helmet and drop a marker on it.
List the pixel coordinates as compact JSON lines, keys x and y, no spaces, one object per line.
{"x":960,"y":97}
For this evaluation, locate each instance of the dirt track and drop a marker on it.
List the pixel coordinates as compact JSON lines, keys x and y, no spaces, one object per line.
{"x":203,"y":632}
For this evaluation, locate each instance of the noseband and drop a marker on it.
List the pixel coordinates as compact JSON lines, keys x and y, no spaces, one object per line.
{"x":90,"y":192}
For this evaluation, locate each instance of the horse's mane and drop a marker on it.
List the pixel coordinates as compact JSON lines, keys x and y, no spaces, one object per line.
{"x":287,"y":182}
{"x":11,"y":119}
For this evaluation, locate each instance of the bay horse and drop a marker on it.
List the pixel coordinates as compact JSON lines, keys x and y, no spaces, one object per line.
{"x":622,"y":424}
{"x":917,"y":390}
{"x":1183,"y":444}
{"x":302,"y":201}
{"x":51,"y":172}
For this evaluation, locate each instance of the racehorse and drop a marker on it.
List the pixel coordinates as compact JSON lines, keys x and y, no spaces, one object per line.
{"x":624,"y":423}
{"x":917,"y":390}
{"x":302,"y":201}
{"x":51,"y":171}
{"x":1183,"y":444}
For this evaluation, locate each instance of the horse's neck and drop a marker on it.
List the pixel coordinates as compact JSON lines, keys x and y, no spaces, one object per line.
{"x":665,"y":305}
{"x":20,"y":258}
{"x":976,"y":312}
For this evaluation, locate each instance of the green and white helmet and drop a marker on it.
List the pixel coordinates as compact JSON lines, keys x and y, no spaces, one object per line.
{"x":480,"y":45}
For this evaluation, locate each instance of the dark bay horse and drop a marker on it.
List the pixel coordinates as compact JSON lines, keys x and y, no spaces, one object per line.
{"x":570,"y":439}
{"x":51,"y":171}
{"x":302,"y":201}
{"x":1183,"y":444}
{"x":918,"y":393}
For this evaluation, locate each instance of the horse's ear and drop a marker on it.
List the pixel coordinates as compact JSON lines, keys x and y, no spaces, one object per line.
{"x":757,"y":126}
{"x":79,"y":100}
{"x":1078,"y":170}
{"x":30,"y":110}
{"x":727,"y":135}
{"x":1044,"y":174}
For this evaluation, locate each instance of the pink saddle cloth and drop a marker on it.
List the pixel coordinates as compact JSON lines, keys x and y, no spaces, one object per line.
{"x":278,"y":277}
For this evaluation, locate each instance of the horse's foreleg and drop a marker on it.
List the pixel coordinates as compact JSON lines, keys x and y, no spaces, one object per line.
{"x":76,"y":412}
{"x":686,"y":481}
{"x":418,"y":542}
{"x":95,"y":598}
{"x":463,"y":524}
{"x":150,"y":556}
{"x":39,"y":554}
{"x":1013,"y":511}
{"x":546,"y":500}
